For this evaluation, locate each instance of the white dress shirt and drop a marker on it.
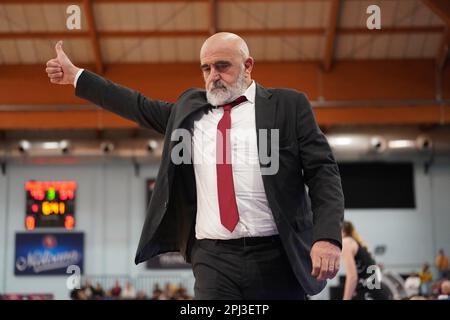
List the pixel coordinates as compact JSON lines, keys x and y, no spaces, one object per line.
{"x":255,"y":216}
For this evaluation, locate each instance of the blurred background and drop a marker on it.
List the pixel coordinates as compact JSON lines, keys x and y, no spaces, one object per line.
{"x":75,"y":180}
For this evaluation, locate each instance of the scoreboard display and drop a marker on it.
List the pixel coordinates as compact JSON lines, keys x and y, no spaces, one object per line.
{"x":50,"y":204}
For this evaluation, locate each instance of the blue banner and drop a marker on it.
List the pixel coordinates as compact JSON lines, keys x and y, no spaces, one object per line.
{"x":48,"y":253}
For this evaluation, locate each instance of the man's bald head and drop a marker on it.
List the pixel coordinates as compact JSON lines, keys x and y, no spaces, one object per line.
{"x":225,"y":42}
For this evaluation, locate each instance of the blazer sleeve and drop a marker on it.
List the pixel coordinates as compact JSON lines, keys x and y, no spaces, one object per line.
{"x":123,"y":101}
{"x":321,"y":175}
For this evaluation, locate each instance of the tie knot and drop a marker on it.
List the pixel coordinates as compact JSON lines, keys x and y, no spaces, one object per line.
{"x":233,"y":103}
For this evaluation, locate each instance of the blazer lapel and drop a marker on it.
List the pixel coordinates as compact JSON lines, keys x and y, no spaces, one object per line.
{"x":186,"y":109}
{"x":189,"y":107}
{"x":265,"y":115}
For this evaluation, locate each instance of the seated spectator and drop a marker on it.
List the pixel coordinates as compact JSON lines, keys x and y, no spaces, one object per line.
{"x":164,"y":296}
{"x":108,"y":295}
{"x":412,"y":285}
{"x":181,"y":294}
{"x":436,"y":289}
{"x":116,"y":290}
{"x":88,"y":292}
{"x":74,"y":293}
{"x":128,"y":292}
{"x":82,"y":295}
{"x":426,"y":277}
{"x":87,"y":289}
{"x":156,"y":293}
{"x":98,"y":292}
{"x":445,"y":290}
{"x":141,"y":295}
{"x":78,"y":294}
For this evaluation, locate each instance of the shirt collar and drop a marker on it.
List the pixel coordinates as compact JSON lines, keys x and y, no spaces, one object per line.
{"x":251,"y":92}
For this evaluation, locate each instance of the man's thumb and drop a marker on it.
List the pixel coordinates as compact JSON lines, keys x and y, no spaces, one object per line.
{"x":58,"y":48}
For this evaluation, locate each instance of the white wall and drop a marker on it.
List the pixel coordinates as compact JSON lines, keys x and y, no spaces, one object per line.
{"x":110,"y":210}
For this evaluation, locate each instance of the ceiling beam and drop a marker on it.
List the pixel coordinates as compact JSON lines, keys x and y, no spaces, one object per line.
{"x":101,"y":34}
{"x":38,"y":1}
{"x":96,"y":1}
{"x":326,"y":116}
{"x":43,"y":35}
{"x":398,"y":115}
{"x":444,"y":51}
{"x":442,"y":9}
{"x":365,"y":80}
{"x":278,"y":32}
{"x":269,"y":1}
{"x":152,"y":34}
{"x":391,"y":30}
{"x":137,"y":1}
{"x":51,"y":120}
{"x":330,"y":35}
{"x":321,"y":31}
{"x":92,"y":31}
{"x":212,"y":16}
{"x":141,"y":1}
{"x":205,"y":33}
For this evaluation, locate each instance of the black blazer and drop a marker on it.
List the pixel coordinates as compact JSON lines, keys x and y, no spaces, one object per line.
{"x":304,"y":158}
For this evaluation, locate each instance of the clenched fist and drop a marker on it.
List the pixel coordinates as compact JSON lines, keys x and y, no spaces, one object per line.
{"x":61,"y":70}
{"x":325,"y":258}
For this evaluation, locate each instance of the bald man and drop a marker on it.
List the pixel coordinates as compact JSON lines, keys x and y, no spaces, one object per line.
{"x":230,"y":193}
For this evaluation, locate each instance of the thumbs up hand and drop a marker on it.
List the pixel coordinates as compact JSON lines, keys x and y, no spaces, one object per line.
{"x":61,"y":70}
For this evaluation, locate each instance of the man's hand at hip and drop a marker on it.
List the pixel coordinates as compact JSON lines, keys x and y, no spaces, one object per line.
{"x":325,"y":258}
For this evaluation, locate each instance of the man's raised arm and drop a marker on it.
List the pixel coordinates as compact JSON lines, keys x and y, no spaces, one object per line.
{"x":123,"y":101}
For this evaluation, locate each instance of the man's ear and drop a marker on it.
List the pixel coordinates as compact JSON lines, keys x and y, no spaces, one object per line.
{"x":249,"y":64}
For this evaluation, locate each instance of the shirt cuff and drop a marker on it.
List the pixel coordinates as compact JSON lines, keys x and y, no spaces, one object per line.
{"x":76,"y":77}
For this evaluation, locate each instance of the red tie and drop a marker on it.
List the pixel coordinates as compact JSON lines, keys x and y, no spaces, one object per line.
{"x":229,"y":214}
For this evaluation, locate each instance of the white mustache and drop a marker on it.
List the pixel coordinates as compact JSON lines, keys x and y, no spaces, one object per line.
{"x":219,"y":92}
{"x":217,"y":85}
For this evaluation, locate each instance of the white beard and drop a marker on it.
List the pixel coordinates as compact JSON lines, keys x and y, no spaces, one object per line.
{"x":220,"y":93}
